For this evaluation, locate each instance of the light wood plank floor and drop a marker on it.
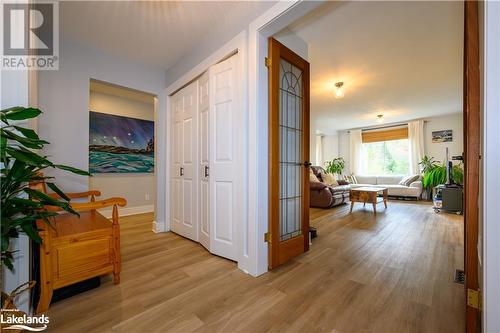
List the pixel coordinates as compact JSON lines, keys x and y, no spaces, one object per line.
{"x":390,"y":273}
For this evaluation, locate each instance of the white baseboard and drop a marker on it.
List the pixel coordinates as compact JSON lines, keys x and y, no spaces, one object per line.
{"x":129,"y":211}
{"x":158,"y":227}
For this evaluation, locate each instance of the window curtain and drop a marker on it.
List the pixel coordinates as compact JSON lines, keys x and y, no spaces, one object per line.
{"x":319,"y":150}
{"x":416,"y":144}
{"x":355,"y":152}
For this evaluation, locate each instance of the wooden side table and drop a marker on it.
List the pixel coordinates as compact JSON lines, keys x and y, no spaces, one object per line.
{"x":368,"y":194}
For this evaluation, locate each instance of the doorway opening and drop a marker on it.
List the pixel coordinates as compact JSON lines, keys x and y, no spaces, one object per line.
{"x":379,"y":74}
{"x":122,"y":141}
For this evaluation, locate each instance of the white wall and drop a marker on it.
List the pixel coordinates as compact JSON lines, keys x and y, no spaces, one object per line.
{"x":137,"y":188}
{"x":437,"y":150}
{"x":344,"y":150}
{"x":14,"y":91}
{"x":64,"y":98}
{"x":491,"y":165}
{"x":293,"y":42}
{"x":330,"y":148}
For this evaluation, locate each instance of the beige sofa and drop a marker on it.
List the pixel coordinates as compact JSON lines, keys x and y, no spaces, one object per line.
{"x":392,"y":185}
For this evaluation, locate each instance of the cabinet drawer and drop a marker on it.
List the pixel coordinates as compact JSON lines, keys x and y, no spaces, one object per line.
{"x":82,"y":257}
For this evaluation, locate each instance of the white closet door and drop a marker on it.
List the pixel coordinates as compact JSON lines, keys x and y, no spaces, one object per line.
{"x":177,"y":107}
{"x":226,"y":169}
{"x":204,"y":171}
{"x":185,"y":166}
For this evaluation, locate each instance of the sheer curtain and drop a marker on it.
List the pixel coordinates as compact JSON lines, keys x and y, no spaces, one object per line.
{"x":416,"y":144}
{"x":355,"y":152}
{"x":319,"y":150}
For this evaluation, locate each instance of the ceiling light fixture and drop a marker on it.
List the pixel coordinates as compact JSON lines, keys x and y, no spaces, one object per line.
{"x":380,"y":118}
{"x":339,"y":92}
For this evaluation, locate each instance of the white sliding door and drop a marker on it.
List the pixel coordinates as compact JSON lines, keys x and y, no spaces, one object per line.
{"x":204,"y":158}
{"x":226,"y":151}
{"x":184,"y":162}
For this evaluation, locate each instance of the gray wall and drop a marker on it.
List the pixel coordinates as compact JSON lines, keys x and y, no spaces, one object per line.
{"x":64,"y":98}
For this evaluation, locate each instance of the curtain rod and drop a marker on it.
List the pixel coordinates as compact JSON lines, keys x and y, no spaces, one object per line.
{"x":382,"y":127}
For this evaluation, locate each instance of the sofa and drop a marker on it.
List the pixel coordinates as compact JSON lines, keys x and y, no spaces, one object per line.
{"x":394,"y":189}
{"x":324,"y":196}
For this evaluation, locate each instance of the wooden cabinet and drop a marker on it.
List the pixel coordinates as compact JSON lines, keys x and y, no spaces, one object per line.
{"x":76,"y":248}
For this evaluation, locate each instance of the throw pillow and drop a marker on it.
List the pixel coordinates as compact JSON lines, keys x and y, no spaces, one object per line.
{"x":312,"y":176}
{"x":354,"y":179}
{"x":406,"y":181}
{"x":329,"y":179}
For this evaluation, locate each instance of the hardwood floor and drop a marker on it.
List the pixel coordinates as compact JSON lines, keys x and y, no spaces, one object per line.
{"x":387,"y":273}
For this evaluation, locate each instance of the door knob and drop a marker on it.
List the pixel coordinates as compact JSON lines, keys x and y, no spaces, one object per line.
{"x":181,"y":171}
{"x":307,"y":164}
{"x":206,"y":171}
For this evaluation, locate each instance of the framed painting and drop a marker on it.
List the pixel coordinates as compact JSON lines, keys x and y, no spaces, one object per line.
{"x":442,"y":136}
{"x":119,"y":144}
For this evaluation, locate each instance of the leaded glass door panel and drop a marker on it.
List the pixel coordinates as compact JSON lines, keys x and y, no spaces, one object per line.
{"x":289,"y":153}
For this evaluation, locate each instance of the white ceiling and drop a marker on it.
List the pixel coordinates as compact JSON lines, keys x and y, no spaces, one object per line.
{"x":400,"y":59}
{"x":157,"y":33}
{"x":119,"y":91}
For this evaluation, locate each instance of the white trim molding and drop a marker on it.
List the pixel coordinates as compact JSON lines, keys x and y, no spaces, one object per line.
{"x":275,"y":19}
{"x":491,"y":165}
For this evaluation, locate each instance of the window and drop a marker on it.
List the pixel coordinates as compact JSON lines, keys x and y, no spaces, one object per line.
{"x":386,"y":157}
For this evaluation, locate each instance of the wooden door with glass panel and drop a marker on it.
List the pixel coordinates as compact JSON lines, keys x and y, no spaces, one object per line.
{"x":288,"y":154}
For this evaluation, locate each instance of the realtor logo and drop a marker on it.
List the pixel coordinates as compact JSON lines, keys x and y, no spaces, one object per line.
{"x":30,"y":36}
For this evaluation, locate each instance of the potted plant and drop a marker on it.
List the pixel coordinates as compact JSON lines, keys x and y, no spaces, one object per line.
{"x":335,"y":166}
{"x":437,"y":176}
{"x":21,"y":165}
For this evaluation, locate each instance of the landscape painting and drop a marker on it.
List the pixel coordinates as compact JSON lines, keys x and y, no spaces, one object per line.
{"x":120,"y":144}
{"x":442,"y":136}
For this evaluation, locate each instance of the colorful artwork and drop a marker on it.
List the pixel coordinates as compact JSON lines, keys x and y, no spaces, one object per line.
{"x":120,"y":144}
{"x":442,"y":136}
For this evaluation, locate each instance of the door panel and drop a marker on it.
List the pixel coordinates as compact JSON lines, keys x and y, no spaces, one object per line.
{"x":176,"y":190}
{"x":226,"y":143}
{"x":204,"y":144}
{"x":184,"y":167}
{"x":288,"y":154}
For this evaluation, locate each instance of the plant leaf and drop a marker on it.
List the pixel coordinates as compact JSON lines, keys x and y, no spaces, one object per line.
{"x":73,"y":170}
{"x":29,"y":133}
{"x":21,"y":113}
{"x":31,"y":231}
{"x":28,"y":157}
{"x":27,"y":142}
{"x":56,"y":189}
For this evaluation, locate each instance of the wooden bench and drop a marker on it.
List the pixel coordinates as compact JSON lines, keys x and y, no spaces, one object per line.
{"x":76,"y":248}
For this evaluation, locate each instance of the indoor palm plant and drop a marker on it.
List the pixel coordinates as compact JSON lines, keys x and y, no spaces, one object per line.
{"x":22,"y":206}
{"x":335,"y":166}
{"x":434,"y":174}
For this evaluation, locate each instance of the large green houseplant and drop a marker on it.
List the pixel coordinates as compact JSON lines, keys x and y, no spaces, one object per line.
{"x":434,"y":173}
{"x":335,"y":166}
{"x":22,"y":206}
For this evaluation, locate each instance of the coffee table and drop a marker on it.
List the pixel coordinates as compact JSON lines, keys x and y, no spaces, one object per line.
{"x":368,"y":194}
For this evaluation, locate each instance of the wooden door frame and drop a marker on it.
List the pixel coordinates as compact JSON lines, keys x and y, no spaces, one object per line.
{"x":472,"y":155}
{"x":276,"y":52}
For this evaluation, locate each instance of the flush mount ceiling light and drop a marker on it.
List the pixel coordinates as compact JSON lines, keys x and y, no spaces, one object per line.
{"x":380,"y":118}
{"x":339,"y":92}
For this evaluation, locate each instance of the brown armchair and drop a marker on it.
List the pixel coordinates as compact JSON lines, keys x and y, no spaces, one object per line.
{"x":324,"y":196}
{"x":76,"y":248}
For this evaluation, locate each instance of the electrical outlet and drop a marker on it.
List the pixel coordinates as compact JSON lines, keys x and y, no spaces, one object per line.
{"x":146,"y":196}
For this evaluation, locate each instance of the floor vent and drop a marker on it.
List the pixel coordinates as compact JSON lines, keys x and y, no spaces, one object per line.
{"x":459,"y":276}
